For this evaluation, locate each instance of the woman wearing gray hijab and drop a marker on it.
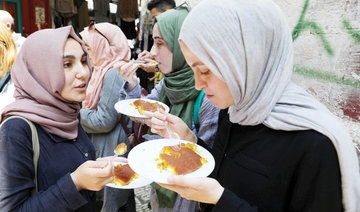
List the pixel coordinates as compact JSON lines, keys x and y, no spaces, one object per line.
{"x":277,"y":148}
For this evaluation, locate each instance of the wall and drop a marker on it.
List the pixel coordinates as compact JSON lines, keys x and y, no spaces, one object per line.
{"x":326,"y":36}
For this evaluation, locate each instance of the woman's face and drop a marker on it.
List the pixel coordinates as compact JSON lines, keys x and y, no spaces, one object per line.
{"x":216,"y":90}
{"x":76,"y":70}
{"x":161,"y":52}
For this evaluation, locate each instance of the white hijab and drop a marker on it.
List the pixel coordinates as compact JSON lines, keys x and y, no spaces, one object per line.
{"x":248,"y":45}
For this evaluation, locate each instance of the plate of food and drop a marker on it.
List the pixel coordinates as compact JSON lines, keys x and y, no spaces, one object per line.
{"x":126,"y":178}
{"x":161,"y":158}
{"x":136,"y":107}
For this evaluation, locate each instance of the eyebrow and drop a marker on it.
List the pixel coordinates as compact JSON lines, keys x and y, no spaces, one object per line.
{"x":73,"y":57}
{"x":196,"y":64}
{"x":158,"y":37}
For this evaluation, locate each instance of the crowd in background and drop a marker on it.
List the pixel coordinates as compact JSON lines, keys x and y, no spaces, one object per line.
{"x":275,"y":146}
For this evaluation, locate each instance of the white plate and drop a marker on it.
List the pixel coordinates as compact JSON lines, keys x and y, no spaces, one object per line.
{"x":124,"y":107}
{"x":142,"y":160}
{"x":138,"y":182}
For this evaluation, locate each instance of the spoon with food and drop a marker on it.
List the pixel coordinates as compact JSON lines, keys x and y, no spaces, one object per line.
{"x":120,"y":150}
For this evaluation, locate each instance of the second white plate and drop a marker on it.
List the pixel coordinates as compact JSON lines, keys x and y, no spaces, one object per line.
{"x":136,"y":183}
{"x":125,"y":108}
{"x":142,"y":160}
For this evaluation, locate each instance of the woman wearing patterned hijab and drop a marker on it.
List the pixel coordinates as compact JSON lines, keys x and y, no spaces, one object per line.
{"x":177,"y":90}
{"x":277,"y":147}
{"x":50,"y":75}
{"x":108,"y":49}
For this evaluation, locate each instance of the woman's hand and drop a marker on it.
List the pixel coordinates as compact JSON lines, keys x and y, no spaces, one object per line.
{"x":92,"y":175}
{"x":161,"y":120}
{"x":204,"y":189}
{"x":128,"y":73}
{"x":144,"y":55}
{"x":112,"y":159}
{"x":146,"y":121}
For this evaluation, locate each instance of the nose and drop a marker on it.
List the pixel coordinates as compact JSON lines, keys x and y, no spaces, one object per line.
{"x":153,"y":51}
{"x":82,"y":71}
{"x":199,"y":82}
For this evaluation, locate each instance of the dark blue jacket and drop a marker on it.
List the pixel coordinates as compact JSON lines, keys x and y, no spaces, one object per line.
{"x":58,"y":158}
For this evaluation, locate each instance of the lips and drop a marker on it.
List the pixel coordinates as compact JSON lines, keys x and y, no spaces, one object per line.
{"x":82,"y":85}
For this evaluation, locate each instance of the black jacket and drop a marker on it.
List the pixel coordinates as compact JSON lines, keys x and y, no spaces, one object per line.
{"x":263,"y":169}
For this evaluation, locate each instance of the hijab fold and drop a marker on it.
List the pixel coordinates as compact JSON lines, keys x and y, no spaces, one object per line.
{"x":108,"y":48}
{"x":178,"y":90}
{"x":39,"y":77}
{"x":248,"y":45}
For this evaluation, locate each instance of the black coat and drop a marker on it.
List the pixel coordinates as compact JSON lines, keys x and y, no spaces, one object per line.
{"x":263,"y":169}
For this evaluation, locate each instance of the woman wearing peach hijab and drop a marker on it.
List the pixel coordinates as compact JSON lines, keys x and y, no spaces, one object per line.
{"x":50,"y":75}
{"x":108,"y":49}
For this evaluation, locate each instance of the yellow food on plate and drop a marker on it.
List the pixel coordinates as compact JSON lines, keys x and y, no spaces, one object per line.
{"x":123,"y":174}
{"x":142,"y":105}
{"x":180,"y":161}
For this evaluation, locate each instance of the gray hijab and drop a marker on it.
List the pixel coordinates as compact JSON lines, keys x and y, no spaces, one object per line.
{"x":248,"y":45}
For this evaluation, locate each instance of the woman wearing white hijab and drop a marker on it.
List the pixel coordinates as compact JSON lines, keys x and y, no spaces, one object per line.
{"x":277,"y":147}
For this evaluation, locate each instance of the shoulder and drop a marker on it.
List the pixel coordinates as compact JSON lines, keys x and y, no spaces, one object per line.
{"x":15,"y":130}
{"x":315,"y":141}
{"x":113,"y":75}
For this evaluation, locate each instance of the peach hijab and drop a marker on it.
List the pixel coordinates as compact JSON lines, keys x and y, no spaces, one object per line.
{"x":38,"y":76}
{"x":108,"y":49}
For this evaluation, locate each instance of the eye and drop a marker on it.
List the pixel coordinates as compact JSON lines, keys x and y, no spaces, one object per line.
{"x":67,"y":64}
{"x":204,"y":72}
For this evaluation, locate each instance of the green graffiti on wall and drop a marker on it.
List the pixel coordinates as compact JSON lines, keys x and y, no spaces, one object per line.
{"x":325,"y":76}
{"x":355,"y":34}
{"x":313,"y":27}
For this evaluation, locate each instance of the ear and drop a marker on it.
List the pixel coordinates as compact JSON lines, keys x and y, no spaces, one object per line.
{"x":91,"y":27}
{"x":8,"y":26}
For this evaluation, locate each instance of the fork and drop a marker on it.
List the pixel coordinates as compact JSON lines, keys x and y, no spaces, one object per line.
{"x":173,"y":135}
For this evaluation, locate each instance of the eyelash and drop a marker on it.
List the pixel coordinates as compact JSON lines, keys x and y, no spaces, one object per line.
{"x":67,"y":65}
{"x":204,"y":72}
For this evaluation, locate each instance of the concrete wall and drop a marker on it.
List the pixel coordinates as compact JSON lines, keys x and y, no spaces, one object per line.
{"x":326,"y":36}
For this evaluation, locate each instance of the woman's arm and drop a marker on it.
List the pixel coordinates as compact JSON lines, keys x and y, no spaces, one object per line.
{"x":17,"y":176}
{"x":105,"y":117}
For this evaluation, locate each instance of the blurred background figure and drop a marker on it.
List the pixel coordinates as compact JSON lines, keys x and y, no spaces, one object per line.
{"x":7,"y":20}
{"x":156,"y":7}
{"x":7,"y":57}
{"x":108,"y":48}
{"x":147,"y":75}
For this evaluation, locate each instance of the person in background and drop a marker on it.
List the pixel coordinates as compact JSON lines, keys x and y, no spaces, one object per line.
{"x":176,"y":90}
{"x":66,"y":171}
{"x":108,"y":47}
{"x":7,"y":57}
{"x":7,"y":20}
{"x":156,"y":7}
{"x":149,"y":73}
{"x":277,"y":148}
